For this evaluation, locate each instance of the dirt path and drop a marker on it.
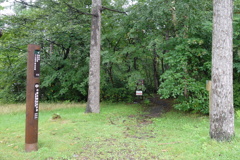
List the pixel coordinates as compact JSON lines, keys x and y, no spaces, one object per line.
{"x":158,"y":106}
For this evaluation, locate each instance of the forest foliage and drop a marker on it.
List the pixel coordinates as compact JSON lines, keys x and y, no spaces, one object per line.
{"x":165,"y":43}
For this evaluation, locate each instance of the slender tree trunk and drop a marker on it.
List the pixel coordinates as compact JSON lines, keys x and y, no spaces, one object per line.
{"x":93,"y":105}
{"x":221,"y":109}
{"x":109,"y":70}
{"x":51,"y":48}
{"x":165,"y":66}
{"x":155,"y":69}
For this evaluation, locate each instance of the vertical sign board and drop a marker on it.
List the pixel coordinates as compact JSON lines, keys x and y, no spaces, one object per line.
{"x":36,"y":63}
{"x":36,"y":69}
{"x":36,"y":100}
{"x":32,"y":98}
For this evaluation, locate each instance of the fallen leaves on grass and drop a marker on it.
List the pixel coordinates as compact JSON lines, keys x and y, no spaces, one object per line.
{"x":168,"y":143}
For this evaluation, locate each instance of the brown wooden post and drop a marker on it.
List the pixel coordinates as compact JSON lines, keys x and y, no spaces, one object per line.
{"x":32,"y":98}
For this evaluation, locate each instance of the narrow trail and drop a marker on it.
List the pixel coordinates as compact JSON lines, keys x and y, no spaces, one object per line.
{"x":158,"y":106}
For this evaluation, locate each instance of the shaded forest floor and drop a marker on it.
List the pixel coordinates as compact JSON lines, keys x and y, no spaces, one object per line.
{"x":159,"y":106}
{"x":156,"y":106}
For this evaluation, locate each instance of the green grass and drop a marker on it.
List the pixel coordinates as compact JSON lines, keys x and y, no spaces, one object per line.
{"x":118,"y":132}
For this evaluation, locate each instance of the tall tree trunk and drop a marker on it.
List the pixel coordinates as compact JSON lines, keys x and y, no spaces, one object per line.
{"x":155,"y":69}
{"x":221,"y":108}
{"x":93,"y":104}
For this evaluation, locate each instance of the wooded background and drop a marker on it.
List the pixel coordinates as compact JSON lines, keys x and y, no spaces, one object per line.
{"x":166,"y":43}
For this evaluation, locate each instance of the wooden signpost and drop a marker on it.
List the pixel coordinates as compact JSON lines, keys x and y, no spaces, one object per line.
{"x":32,"y":98}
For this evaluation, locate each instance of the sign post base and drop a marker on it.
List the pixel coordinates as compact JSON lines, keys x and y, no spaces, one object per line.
{"x":31,"y":147}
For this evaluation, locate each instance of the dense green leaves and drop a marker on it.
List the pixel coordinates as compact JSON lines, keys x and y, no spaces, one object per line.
{"x":64,"y":37}
{"x":166,"y":43}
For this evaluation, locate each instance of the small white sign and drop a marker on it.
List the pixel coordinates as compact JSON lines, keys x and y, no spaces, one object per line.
{"x":139,"y":93}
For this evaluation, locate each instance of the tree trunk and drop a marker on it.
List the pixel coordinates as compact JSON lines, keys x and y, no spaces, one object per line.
{"x":155,"y":69}
{"x":51,"y":48}
{"x":93,"y":105}
{"x":221,"y":109}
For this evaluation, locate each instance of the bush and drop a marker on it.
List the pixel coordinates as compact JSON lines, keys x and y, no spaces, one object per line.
{"x":189,"y":68}
{"x":116,"y":95}
{"x":236,"y":95}
{"x":196,"y":100}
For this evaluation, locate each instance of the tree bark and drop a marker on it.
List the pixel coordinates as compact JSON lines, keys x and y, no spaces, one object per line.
{"x":93,"y":104}
{"x":221,"y":109}
{"x":155,"y":69}
{"x":51,"y":48}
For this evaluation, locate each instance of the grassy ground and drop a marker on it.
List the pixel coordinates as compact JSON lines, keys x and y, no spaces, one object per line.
{"x":118,"y":132}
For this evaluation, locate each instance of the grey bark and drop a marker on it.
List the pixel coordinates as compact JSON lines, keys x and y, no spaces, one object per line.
{"x":93,"y":104}
{"x":221,"y":109}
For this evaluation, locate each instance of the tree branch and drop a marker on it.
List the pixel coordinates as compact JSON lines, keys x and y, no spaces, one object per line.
{"x":53,"y":42}
{"x":26,"y":4}
{"x":113,"y":10}
{"x":78,"y":11}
